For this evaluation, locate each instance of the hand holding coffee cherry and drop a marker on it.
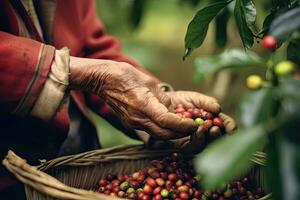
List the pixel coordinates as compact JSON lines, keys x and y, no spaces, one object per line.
{"x":172,"y":178}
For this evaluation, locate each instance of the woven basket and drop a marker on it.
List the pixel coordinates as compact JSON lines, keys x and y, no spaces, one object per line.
{"x":77,"y":175}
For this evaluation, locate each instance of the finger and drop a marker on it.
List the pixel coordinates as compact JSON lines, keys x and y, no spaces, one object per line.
{"x":160,"y":133}
{"x":215,"y":132}
{"x":197,"y":141}
{"x":180,"y":142}
{"x":229,"y":123}
{"x":160,"y":115}
{"x":208,"y":103}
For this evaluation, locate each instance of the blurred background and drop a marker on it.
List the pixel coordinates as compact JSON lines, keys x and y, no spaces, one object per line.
{"x":153,"y":34}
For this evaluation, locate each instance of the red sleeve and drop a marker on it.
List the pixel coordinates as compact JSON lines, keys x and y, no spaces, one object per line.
{"x":24,"y":67}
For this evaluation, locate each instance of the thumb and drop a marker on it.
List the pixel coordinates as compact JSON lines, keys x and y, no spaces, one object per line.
{"x":162,"y":97}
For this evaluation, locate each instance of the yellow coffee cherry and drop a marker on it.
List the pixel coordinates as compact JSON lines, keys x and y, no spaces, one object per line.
{"x":254,"y":82}
{"x":284,"y":68}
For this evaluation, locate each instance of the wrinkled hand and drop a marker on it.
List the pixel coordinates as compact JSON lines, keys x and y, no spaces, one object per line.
{"x":133,"y":95}
{"x":198,"y":140}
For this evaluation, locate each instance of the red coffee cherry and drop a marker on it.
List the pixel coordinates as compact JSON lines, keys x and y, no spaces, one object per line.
{"x":179,"y":110}
{"x":207,"y":124}
{"x":147,"y":189}
{"x":157,"y":197}
{"x":157,"y":190}
{"x":160,"y":181}
{"x":186,"y":115}
{"x":218,"y":122}
{"x":269,"y":42}
{"x":102,"y":182}
{"x":196,"y":113}
{"x":151,"y":182}
{"x":184,"y":195}
{"x":172,"y":177}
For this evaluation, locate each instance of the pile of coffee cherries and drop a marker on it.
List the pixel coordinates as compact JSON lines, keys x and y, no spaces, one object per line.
{"x":171,"y":178}
{"x":203,"y":118}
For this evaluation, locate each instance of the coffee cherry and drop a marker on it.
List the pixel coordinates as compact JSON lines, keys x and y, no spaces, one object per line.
{"x":186,"y":115}
{"x":218,"y":122}
{"x":160,"y":181}
{"x":208,"y":115}
{"x":179,"y":183}
{"x":124,"y":186}
{"x":157,"y":197}
{"x":109,"y":186}
{"x":121,"y":194}
{"x":284,"y":68}
{"x":269,"y":42}
{"x":163,"y":175}
{"x":110,"y":177}
{"x":207,"y":124}
{"x":146,"y":197}
{"x":198,"y":121}
{"x":172,"y":177}
{"x":121,"y":177}
{"x":196,"y":113}
{"x":102,"y":182}
{"x":130,"y":190}
{"x":147,"y":189}
{"x":115,"y":183}
{"x":179,"y":110}
{"x":197,"y":194}
{"x":254,"y":82}
{"x":164,"y":193}
{"x":190,"y":110}
{"x":157,"y":190}
{"x":151,"y":182}
{"x":184,"y":195}
{"x":116,"y":189}
{"x":183,"y":188}
{"x":134,"y":184}
{"x":141,"y":178}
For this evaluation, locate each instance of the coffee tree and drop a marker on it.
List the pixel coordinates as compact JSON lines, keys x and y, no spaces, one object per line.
{"x":270,"y":113}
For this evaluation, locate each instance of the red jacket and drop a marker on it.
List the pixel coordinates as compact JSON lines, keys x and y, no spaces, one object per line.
{"x":25,"y":64}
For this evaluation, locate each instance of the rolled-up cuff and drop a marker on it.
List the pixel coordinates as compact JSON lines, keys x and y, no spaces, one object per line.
{"x":55,"y":89}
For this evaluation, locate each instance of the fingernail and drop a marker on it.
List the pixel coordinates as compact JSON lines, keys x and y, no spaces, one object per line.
{"x":216,"y":106}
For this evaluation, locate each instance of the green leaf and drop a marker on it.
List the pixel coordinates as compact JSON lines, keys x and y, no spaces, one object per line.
{"x":286,"y":23}
{"x":283,"y":167}
{"x":293,"y":51}
{"x":197,"y":28}
{"x":245,"y":14}
{"x":256,"y":107}
{"x":267,"y":22}
{"x":229,"y":157}
{"x":232,"y":58}
{"x":221,"y":28}
{"x":290,"y":98}
{"x":137,"y":11}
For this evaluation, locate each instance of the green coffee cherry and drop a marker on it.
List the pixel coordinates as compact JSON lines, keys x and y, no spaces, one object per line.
{"x":124,"y":185}
{"x":284,"y":68}
{"x":164,"y":193}
{"x":199,"y":121}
